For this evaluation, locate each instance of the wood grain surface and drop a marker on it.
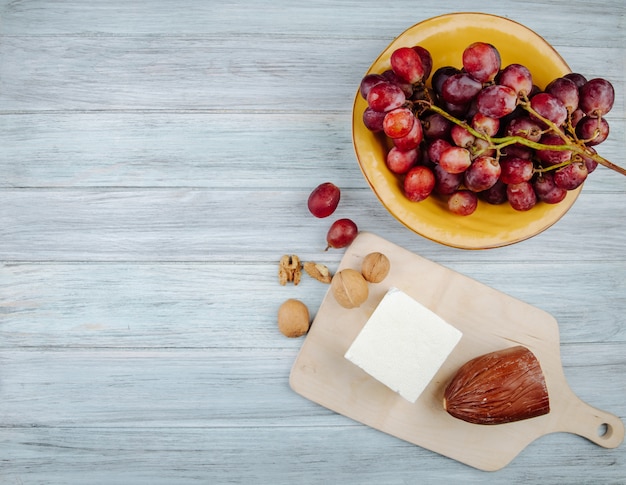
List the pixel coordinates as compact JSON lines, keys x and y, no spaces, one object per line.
{"x":155,"y":160}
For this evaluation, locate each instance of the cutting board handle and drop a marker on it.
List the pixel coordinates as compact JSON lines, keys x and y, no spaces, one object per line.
{"x":602,"y":428}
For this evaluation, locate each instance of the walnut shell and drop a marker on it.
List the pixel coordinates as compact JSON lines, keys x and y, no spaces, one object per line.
{"x":350,"y":288}
{"x":293,"y":318}
{"x":500,"y":387}
{"x":375,"y":267}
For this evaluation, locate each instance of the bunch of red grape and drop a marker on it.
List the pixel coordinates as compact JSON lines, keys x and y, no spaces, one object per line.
{"x":485,"y":131}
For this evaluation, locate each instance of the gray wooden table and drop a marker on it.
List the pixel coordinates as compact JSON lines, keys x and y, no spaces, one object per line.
{"x":155,"y":160}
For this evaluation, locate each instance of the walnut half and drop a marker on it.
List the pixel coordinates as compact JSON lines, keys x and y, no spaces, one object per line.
{"x":289,"y":269}
{"x":318,"y":271}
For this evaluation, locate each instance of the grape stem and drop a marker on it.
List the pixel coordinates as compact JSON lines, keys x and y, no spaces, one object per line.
{"x":498,"y":143}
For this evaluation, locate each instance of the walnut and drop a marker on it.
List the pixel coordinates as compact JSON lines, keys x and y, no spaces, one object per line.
{"x":375,"y":267}
{"x":318,"y":271}
{"x":350,"y":288}
{"x":289,"y":269}
{"x":293,"y":318}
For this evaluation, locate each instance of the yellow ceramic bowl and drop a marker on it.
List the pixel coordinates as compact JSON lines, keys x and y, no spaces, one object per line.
{"x":491,"y":225}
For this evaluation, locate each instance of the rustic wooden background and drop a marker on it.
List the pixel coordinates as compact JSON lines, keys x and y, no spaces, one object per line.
{"x":155,"y":160}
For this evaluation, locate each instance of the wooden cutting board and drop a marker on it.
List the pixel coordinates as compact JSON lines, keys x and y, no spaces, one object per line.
{"x":489,"y":320}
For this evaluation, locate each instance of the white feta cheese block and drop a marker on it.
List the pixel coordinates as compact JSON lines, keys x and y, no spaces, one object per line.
{"x":403,"y":344}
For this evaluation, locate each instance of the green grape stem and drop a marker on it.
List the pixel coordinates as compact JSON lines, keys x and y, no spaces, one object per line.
{"x":498,"y":143}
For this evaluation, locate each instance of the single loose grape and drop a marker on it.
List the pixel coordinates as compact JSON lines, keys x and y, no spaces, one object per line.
{"x":324,"y":199}
{"x":341,"y":233}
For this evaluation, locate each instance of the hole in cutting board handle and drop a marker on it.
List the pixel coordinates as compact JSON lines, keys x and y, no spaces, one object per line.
{"x":605,"y":431}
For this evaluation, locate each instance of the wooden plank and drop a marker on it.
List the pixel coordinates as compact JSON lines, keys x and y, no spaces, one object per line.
{"x":103,"y":416}
{"x":211,"y":387}
{"x":158,"y":149}
{"x":199,"y":149}
{"x":594,"y":27}
{"x":184,"y":224}
{"x":198,"y":305}
{"x":281,"y":455}
{"x":186,"y":72}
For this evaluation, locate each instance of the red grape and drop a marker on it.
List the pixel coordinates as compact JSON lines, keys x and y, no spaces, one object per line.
{"x":589,"y":162}
{"x":435,"y":149}
{"x":515,"y":170}
{"x":436,"y":126}
{"x":481,"y":61}
{"x":576,"y":116}
{"x":399,"y":161}
{"x":597,"y":97}
{"x":385,"y":97}
{"x":518,"y":151}
{"x":426,"y":58}
{"x":341,"y":233}
{"x":566,"y":91}
{"x":460,"y":88}
{"x":393,"y":78}
{"x":521,"y":196}
{"x":571,"y":176}
{"x":524,"y":127}
{"x":546,"y":190}
{"x":517,"y":77}
{"x":373,"y":120}
{"x":496,"y":194}
{"x":463,"y":202}
{"x":412,"y":139}
{"x":398,"y":122}
{"x":419,"y":182}
{"x":407,"y":64}
{"x":485,"y":124}
{"x":461,"y":137}
{"x":457,"y":110}
{"x":552,"y":157}
{"x":368,"y":82}
{"x":441,"y":75}
{"x":579,"y":79}
{"x":496,"y":101}
{"x":455,"y":159}
{"x":482,"y":174}
{"x":324,"y":199}
{"x":445,"y":182}
{"x":550,"y":107}
{"x":482,"y":147}
{"x":592,"y":131}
